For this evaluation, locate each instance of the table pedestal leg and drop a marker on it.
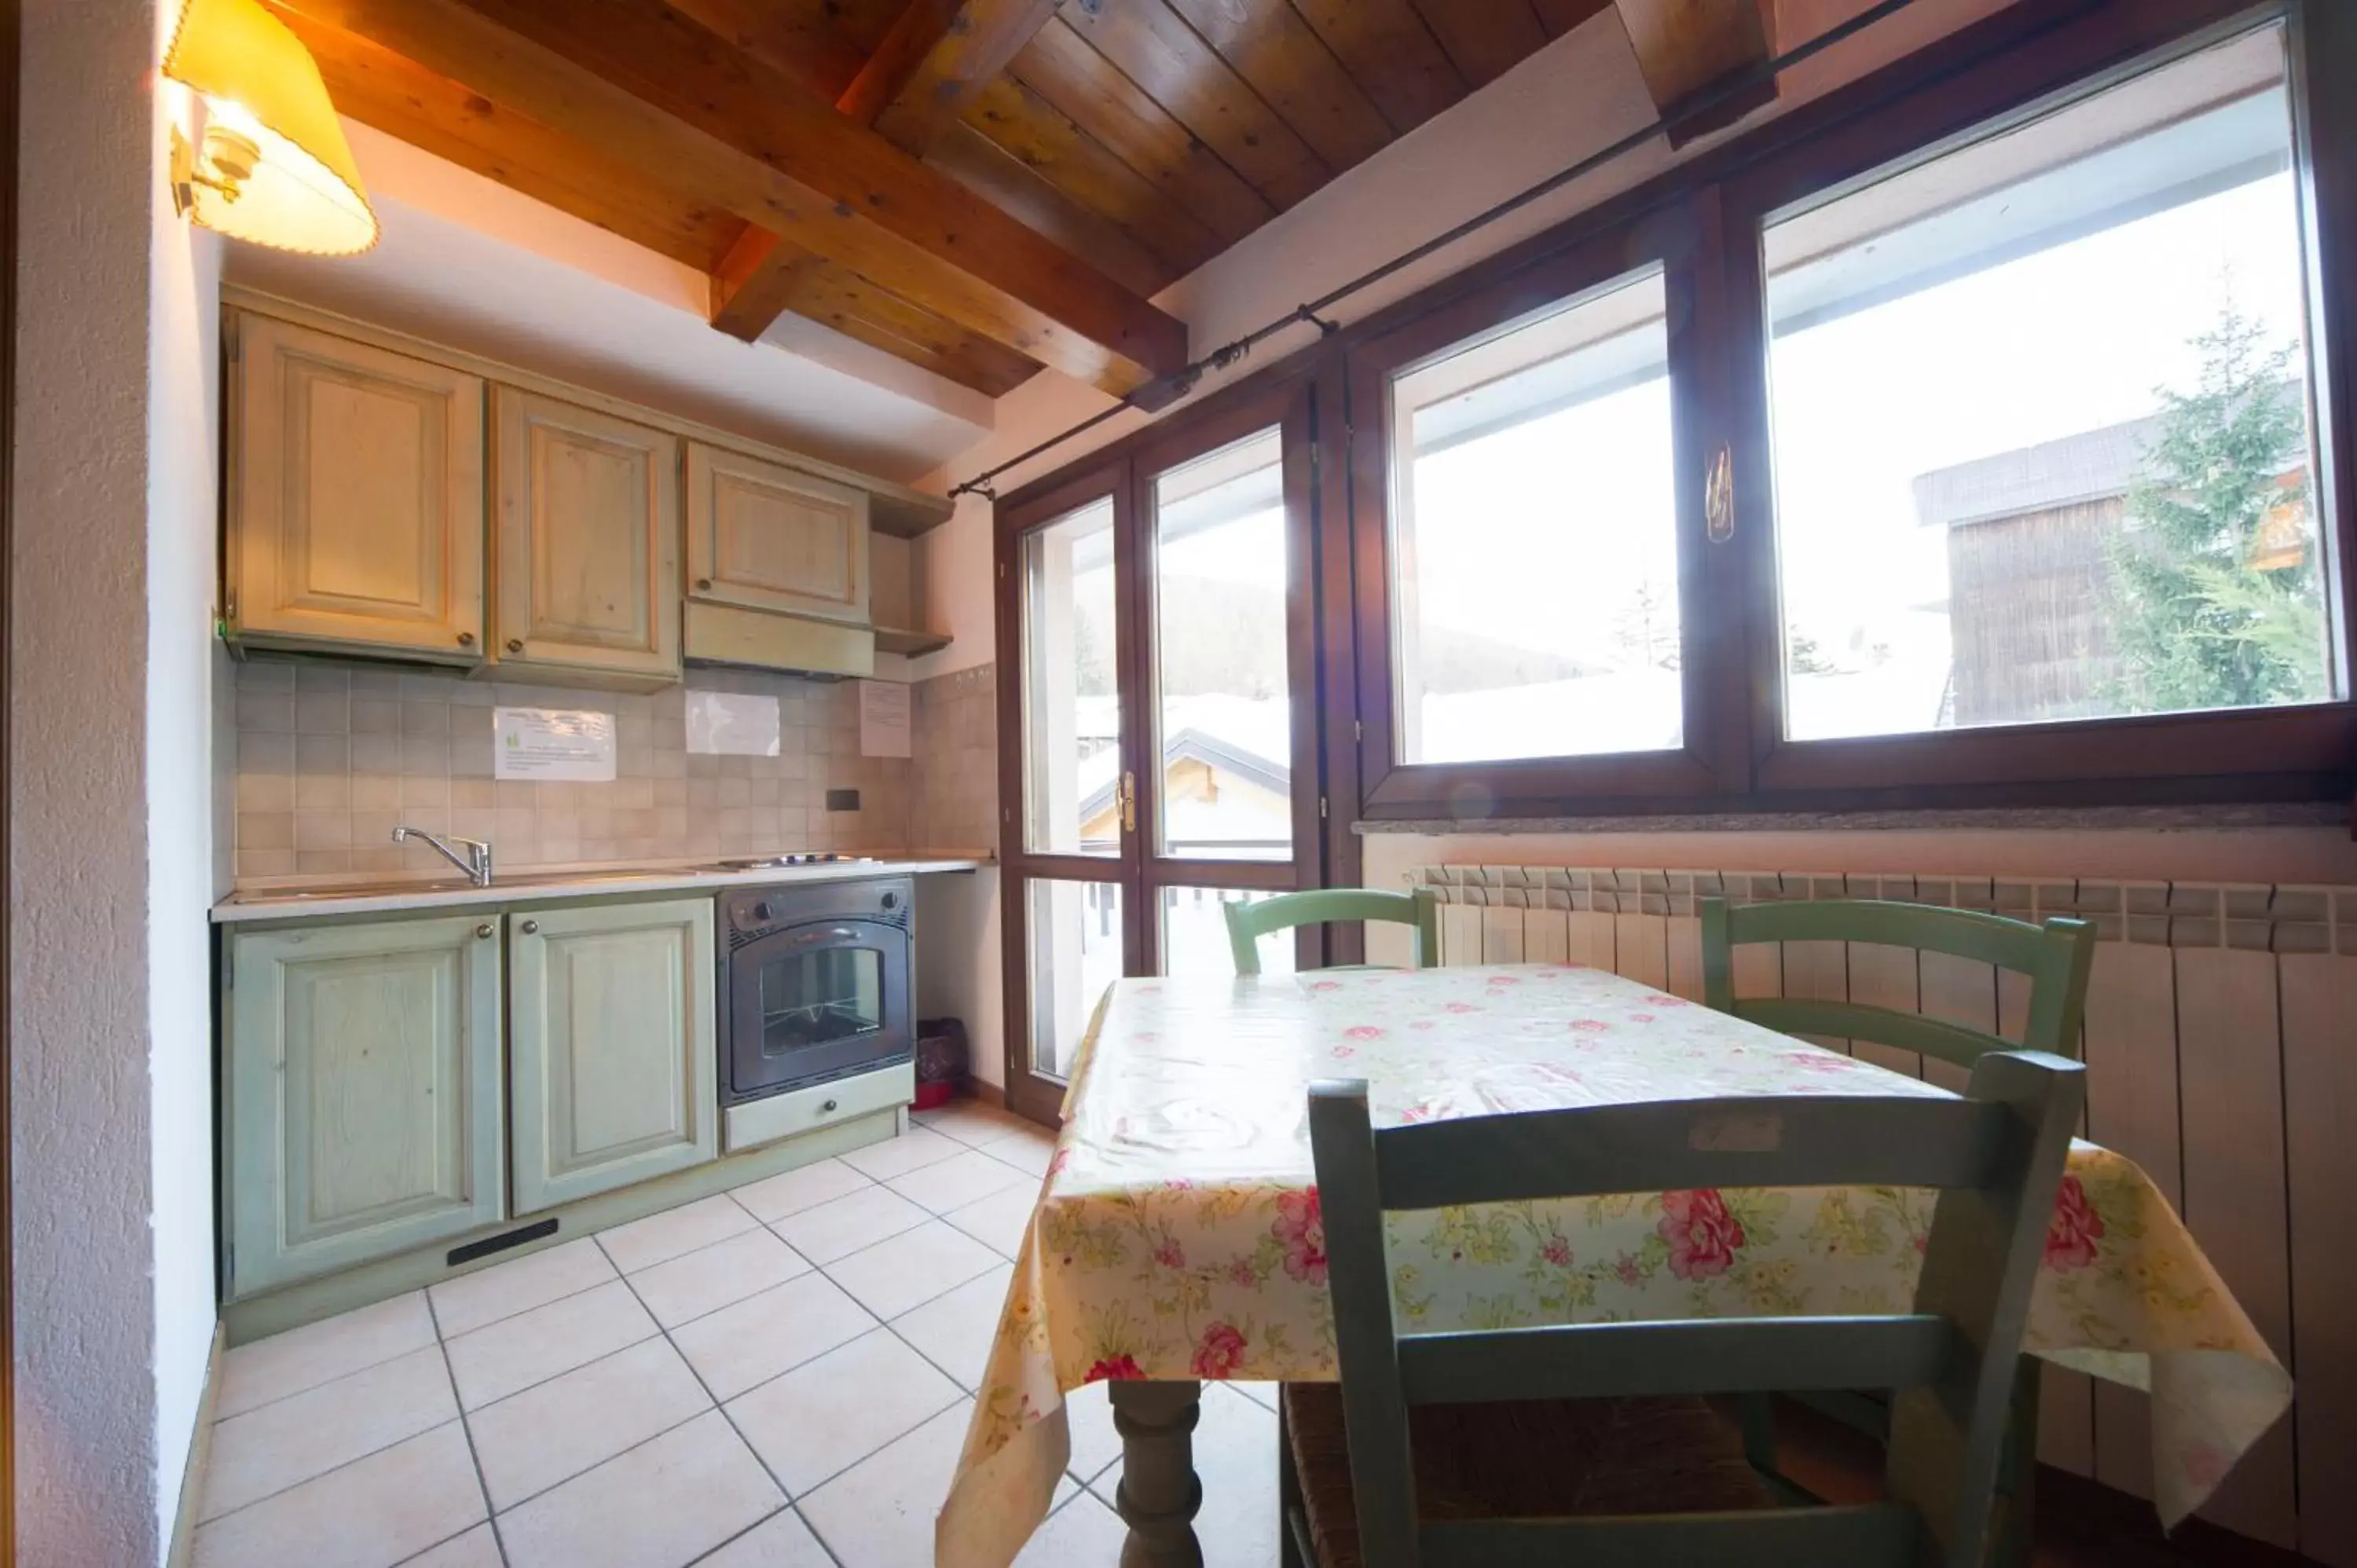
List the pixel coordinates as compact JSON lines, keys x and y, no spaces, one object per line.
{"x":1159,"y":1492}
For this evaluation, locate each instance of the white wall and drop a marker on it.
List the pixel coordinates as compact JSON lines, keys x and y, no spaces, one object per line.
{"x":109,"y":837}
{"x":184,"y":660}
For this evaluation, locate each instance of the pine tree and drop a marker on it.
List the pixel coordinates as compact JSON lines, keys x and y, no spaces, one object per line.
{"x":2199,"y":624}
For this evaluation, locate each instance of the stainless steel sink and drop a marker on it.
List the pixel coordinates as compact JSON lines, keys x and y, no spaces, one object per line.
{"x":389,"y":888}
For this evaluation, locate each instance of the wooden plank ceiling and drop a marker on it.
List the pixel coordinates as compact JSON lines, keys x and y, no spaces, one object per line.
{"x":978,"y":186}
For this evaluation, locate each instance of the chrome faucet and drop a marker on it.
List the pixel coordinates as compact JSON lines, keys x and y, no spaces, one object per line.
{"x":476,"y":863}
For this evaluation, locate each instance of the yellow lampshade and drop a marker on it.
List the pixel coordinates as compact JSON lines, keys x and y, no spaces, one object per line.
{"x":274,"y":167}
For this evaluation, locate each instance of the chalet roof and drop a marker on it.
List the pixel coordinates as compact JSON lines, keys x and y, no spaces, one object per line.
{"x":2095,"y":464}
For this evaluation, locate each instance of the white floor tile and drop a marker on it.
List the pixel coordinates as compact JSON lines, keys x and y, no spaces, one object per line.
{"x":532,"y":1347}
{"x":892,"y":1276}
{"x":661,"y":1505}
{"x":782,"y":1540}
{"x":741,"y":1347}
{"x":880,"y":1513}
{"x":553,"y":1432}
{"x":642,"y":1243}
{"x":1087,"y":1534}
{"x":806,"y":1187}
{"x":1095,"y":1443}
{"x":976,"y":1125}
{"x":1235,"y":1458}
{"x":1026,"y":1152}
{"x":321,"y":1352}
{"x":844,"y":1225}
{"x":471,"y":1301}
{"x":826,"y":1415}
{"x":373,"y":1513}
{"x":954,"y":1330}
{"x":479,"y":1548}
{"x":1000,"y":1220}
{"x":291,"y":1440}
{"x":957,"y":1181}
{"x":688,"y":1286}
{"x":899,"y":1157}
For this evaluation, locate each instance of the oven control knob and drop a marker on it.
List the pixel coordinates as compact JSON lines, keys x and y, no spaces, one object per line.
{"x":891,"y":900}
{"x":761,"y":912}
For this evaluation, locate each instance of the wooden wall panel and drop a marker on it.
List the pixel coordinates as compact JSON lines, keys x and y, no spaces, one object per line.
{"x":2231,"y":1070}
{"x":2320,"y":1041}
{"x":2131,"y":1049}
{"x":1386,"y":45}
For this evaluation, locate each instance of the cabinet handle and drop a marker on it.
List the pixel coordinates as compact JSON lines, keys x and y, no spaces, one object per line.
{"x":530,"y":927}
{"x":1718,"y":498}
{"x":484,"y":930}
{"x":466,"y":639}
{"x":829,"y":1106}
{"x":515,"y":645}
{"x":704,"y":585}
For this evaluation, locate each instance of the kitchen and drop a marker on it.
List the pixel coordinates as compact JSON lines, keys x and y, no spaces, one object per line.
{"x":613,"y":682}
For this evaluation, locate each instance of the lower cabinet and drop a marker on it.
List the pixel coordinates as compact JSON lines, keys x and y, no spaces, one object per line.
{"x":613,"y":1071}
{"x":365,"y":1115}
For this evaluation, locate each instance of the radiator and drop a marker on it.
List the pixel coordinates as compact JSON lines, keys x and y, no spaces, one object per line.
{"x":2221,"y":1055}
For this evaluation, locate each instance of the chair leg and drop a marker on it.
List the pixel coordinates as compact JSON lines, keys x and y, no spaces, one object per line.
{"x":2013,"y":1536}
{"x":1293,"y":1548}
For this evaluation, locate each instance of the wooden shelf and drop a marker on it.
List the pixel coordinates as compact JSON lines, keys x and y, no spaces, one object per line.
{"x":893,"y":640}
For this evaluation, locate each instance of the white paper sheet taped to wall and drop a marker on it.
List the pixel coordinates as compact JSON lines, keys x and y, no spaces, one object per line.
{"x":555,"y":745}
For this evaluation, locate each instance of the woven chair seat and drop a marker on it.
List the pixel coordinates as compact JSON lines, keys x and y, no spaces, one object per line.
{"x":1527,"y":1459}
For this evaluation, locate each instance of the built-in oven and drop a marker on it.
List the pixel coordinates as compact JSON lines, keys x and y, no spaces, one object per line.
{"x":817,"y":983}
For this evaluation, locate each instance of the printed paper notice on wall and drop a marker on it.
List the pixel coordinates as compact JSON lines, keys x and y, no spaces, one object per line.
{"x":883,"y":718}
{"x":730,"y":723}
{"x":558,"y":745}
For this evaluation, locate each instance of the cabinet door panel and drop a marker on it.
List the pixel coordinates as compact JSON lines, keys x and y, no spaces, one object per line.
{"x":365,"y":1114}
{"x":765,"y":537}
{"x":357,"y":516}
{"x":588,"y":553}
{"x":614,"y":1069}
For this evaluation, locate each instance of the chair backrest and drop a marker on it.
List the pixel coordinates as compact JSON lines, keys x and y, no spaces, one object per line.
{"x":1996,"y":1155}
{"x":1247,"y":923}
{"x":2056,"y":956}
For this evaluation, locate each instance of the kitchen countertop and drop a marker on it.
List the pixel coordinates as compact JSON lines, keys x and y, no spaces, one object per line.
{"x":405,"y":894}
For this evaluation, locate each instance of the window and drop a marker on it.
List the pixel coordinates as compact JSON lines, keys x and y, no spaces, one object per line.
{"x":1960,"y":442}
{"x":1533,"y":544}
{"x":1072,"y":713}
{"x":2041,"y":416}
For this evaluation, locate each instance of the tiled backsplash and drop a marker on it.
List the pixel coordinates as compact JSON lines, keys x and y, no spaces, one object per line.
{"x":331,"y":756}
{"x":956,"y":800}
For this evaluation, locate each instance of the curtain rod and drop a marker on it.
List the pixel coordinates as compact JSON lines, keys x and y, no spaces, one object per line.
{"x":1163,"y":391}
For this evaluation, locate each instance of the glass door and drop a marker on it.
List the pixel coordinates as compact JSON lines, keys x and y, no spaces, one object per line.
{"x":1156,"y":660}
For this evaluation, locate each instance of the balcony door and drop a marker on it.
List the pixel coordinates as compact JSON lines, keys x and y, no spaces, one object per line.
{"x":1156,"y":671}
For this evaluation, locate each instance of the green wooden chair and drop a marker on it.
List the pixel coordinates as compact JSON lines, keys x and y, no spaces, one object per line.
{"x":2056,"y":957}
{"x":1247,"y":923}
{"x":1588,"y":1443}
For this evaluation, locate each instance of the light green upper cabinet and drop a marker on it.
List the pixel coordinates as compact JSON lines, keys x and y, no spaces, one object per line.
{"x":765,"y":537}
{"x":613,"y":1073}
{"x":363,"y":1068}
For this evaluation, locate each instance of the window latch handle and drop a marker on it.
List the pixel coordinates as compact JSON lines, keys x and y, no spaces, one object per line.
{"x":1129,"y":802}
{"x":1718,"y":498}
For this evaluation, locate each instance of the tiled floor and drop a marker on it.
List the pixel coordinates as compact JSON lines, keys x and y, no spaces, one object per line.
{"x":776,"y":1378}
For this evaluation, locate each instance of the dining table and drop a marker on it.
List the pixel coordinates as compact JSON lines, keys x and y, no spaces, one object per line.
{"x":1177,"y":1237}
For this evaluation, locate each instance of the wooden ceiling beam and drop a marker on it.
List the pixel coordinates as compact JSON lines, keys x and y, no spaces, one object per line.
{"x":1686,"y":46}
{"x":934,"y":62}
{"x":649,"y":86}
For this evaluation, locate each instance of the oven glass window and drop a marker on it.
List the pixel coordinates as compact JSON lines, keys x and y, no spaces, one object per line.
{"x":815,"y":998}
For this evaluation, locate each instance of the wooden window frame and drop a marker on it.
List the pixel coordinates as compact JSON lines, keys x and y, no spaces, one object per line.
{"x":1124,"y":473}
{"x":1735,"y":758}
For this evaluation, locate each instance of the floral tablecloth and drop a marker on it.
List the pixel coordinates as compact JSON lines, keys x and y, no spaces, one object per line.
{"x":1178,"y":1235}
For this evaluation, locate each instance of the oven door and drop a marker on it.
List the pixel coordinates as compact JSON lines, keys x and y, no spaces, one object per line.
{"x":817,"y":1001}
